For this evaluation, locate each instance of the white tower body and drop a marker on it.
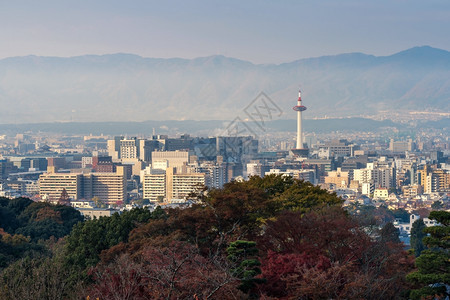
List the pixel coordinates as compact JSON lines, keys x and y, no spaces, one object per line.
{"x":299,"y":131}
{"x":300,"y":109}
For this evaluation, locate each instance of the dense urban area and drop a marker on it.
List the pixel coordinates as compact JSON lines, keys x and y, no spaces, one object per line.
{"x":88,"y":211}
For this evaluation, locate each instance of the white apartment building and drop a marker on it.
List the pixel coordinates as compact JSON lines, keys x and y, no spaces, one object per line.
{"x":108,"y":187}
{"x":169,"y":185}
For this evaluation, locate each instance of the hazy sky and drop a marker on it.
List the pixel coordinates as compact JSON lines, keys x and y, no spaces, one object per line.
{"x":256,"y":30}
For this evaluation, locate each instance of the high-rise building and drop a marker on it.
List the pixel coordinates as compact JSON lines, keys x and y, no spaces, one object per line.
{"x":108,"y":187}
{"x":379,"y":177}
{"x":337,"y":148}
{"x":129,"y":148}
{"x":401,"y":146}
{"x":215,"y":174}
{"x":175,"y":159}
{"x":51,"y":186}
{"x":236,"y":149}
{"x":56,"y":162}
{"x":179,"y":186}
{"x":254,"y":169}
{"x":154,"y":185}
{"x":146,"y":147}
{"x":113,"y":147}
{"x":159,"y":185}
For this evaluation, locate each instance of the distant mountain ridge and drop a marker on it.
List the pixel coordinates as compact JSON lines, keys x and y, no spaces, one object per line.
{"x":127,"y":87}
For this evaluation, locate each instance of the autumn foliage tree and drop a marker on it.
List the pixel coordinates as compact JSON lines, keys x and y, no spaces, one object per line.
{"x":176,"y":271}
{"x":326,"y":248}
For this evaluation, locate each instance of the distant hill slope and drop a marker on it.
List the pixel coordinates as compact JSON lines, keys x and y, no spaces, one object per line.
{"x":125,"y":87}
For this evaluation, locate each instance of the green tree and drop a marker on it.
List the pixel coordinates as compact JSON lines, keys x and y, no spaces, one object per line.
{"x":4,"y":201}
{"x":401,"y":214}
{"x":417,"y":235}
{"x":272,"y":184}
{"x":437,"y":205}
{"x":389,"y":233}
{"x":19,"y":204}
{"x":88,"y":239}
{"x":8,"y":219}
{"x":433,"y":264}
{"x":245,"y":255}
{"x":42,"y":220}
{"x":41,"y":277}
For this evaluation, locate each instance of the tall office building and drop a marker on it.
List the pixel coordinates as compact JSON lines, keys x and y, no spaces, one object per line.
{"x":254,"y":169}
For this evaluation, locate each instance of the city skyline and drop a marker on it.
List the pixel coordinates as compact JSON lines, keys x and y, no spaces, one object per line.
{"x":260,"y":32}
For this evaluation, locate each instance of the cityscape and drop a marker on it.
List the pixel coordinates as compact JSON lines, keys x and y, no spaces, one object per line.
{"x":103,"y":174}
{"x":198,"y":151}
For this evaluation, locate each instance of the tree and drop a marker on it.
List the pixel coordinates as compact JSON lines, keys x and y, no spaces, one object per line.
{"x":19,"y":204}
{"x":437,"y":205}
{"x":401,"y":214}
{"x":177,"y":271}
{"x":304,"y":196}
{"x":327,"y":249}
{"x":40,"y":277}
{"x":245,"y":255}
{"x":99,"y":203}
{"x":15,"y":246}
{"x":8,"y":219}
{"x":390,"y":234}
{"x":88,"y":239}
{"x":417,"y":235}
{"x":433,"y":265}
{"x":64,"y":199}
{"x":42,"y":220}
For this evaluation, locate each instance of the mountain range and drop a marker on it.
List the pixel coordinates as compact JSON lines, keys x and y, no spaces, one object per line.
{"x":127,"y":87}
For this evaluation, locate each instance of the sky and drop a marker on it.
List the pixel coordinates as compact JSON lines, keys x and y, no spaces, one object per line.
{"x":259,"y":31}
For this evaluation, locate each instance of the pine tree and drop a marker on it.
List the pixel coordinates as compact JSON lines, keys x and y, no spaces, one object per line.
{"x":433,"y":274}
{"x":417,"y":235}
{"x":64,"y":199}
{"x":245,"y":255}
{"x":389,"y":233}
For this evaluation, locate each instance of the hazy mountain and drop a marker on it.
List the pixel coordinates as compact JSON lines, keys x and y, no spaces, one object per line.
{"x":125,"y":87}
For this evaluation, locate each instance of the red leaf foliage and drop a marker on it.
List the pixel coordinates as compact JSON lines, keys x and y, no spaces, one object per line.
{"x":325,"y":254}
{"x":174,"y":272}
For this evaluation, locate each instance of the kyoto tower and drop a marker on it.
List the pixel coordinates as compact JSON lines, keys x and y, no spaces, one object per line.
{"x":299,"y":150}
